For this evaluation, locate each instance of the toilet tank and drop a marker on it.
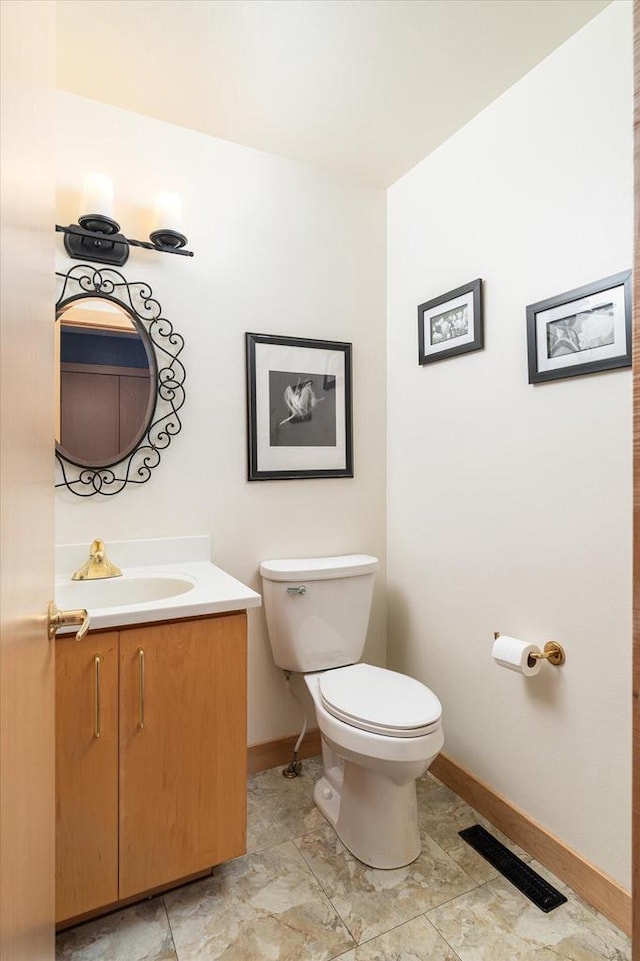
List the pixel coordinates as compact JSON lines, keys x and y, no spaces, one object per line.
{"x":317,"y":609}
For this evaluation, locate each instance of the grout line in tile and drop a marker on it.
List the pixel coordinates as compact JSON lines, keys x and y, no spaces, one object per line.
{"x":441,"y":935}
{"x":281,"y":921}
{"x":352,"y":934}
{"x":394,"y":927}
{"x":324,"y":889}
{"x":173,"y":940}
{"x":324,"y":892}
{"x":463,"y":894}
{"x":267,"y":847}
{"x":450,"y":858}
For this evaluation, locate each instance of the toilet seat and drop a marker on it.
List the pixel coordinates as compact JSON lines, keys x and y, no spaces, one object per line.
{"x":380,"y":701}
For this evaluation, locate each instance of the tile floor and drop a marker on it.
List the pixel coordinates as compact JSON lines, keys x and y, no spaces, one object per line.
{"x":298,"y":895}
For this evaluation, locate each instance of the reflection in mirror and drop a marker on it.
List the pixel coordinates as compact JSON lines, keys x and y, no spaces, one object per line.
{"x":120,"y":383}
{"x":106,"y":384}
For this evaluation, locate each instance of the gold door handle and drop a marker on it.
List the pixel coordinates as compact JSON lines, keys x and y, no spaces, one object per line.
{"x":97,"y":718}
{"x":57,"y":619}
{"x":140,"y":688}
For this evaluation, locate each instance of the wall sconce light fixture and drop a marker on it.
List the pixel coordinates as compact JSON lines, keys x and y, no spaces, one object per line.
{"x":97,"y":236}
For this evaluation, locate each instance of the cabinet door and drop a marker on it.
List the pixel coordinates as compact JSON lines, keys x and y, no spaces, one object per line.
{"x":183,"y":749}
{"x":134,"y":406}
{"x":89,"y":415}
{"x":86,"y":773}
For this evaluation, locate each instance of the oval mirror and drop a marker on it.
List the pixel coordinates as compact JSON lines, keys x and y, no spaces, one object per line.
{"x":106,"y":381}
{"x":120,"y":381}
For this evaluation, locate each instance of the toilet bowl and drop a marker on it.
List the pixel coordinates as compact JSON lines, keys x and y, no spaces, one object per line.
{"x":380,"y":729}
{"x":367,"y":791}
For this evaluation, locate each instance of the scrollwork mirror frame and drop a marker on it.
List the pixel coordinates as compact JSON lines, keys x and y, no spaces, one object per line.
{"x":135,"y":467}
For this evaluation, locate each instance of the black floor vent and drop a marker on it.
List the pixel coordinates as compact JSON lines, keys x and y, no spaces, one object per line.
{"x":543,"y":894}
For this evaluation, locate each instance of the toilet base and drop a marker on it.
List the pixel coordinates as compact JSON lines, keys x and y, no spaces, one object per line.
{"x":375,"y":818}
{"x":327,"y":800}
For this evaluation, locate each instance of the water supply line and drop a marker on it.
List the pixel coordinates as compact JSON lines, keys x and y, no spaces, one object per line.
{"x":294,"y":767}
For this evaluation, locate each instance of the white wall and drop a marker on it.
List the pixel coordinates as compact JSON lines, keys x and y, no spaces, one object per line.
{"x":509,"y":505}
{"x":280,"y":248}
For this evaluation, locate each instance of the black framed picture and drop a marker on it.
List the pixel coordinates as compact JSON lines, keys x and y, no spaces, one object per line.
{"x":298,"y":408}
{"x":451,"y":324}
{"x":581,"y":331}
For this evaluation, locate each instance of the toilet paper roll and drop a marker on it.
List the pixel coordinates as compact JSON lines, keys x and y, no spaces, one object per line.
{"x":514,"y":654}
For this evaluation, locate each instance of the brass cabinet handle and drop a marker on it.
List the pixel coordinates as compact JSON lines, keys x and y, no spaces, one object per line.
{"x":140,"y":688}
{"x":97,"y":719}
{"x":57,"y":619}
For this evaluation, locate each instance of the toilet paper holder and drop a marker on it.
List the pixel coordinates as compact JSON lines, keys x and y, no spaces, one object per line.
{"x":553,"y":652}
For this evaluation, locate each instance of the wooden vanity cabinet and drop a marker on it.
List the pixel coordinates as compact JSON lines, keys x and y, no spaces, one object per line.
{"x":86,"y":773}
{"x":183,"y":750}
{"x":178,"y":771}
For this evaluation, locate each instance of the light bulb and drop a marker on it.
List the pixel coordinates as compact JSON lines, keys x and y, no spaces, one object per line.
{"x":97,"y":195}
{"x":168,"y":212}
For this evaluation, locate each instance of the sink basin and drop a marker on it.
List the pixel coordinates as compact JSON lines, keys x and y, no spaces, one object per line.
{"x":163,"y":579}
{"x":120,"y":591}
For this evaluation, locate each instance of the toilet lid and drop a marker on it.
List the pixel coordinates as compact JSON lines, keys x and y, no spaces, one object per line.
{"x":381,"y":701}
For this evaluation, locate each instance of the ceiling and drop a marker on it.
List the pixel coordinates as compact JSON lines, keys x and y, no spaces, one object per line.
{"x":363,"y":87}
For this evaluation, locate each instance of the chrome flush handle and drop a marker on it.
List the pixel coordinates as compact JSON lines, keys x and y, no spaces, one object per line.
{"x":297,"y":590}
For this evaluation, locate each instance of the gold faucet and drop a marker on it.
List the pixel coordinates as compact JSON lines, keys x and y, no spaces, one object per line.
{"x":97,"y":566}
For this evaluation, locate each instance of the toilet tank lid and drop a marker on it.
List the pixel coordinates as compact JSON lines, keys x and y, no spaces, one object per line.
{"x":318,"y":568}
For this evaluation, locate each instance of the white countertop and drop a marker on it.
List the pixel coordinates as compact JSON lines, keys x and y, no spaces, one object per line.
{"x":210,"y":591}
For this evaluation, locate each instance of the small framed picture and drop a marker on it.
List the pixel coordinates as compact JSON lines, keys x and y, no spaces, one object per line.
{"x":450,"y":324}
{"x":298,"y":408}
{"x":582,"y":331}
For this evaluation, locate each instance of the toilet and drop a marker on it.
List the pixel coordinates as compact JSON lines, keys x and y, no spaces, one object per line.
{"x":380,"y":730}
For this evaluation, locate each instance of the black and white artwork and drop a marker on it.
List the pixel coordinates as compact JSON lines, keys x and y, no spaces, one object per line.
{"x":302,"y":409}
{"x":450,"y":324}
{"x":299,"y":407}
{"x":582,"y":331}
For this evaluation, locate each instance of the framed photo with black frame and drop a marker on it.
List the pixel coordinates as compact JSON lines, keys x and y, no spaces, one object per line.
{"x":299,"y":408}
{"x":451,"y":324}
{"x":582,"y":331}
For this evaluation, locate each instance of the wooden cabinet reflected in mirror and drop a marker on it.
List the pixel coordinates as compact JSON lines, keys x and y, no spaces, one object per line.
{"x":107,"y":382}
{"x":119,"y":381}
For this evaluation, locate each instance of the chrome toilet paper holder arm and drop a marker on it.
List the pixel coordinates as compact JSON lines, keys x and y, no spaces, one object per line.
{"x":553,"y":652}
